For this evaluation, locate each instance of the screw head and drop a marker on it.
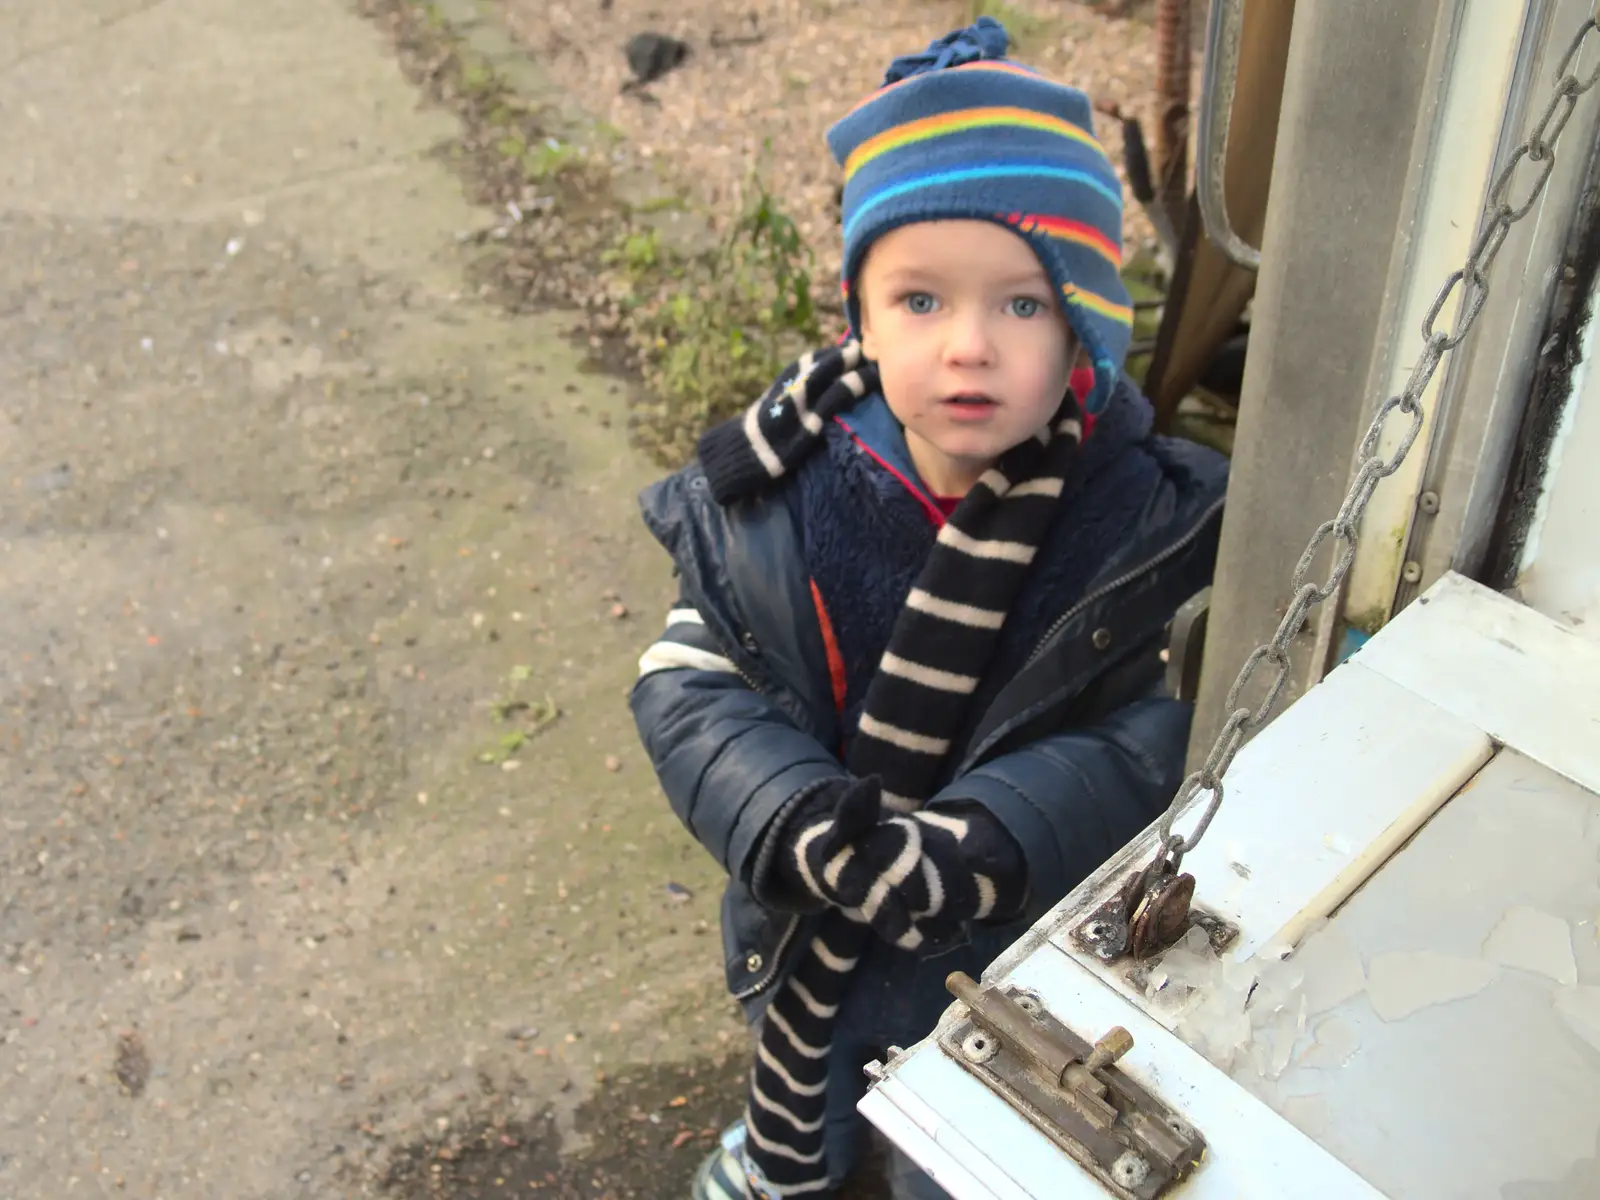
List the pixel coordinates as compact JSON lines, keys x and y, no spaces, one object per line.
{"x":1130,"y":1169}
{"x":978,"y":1047}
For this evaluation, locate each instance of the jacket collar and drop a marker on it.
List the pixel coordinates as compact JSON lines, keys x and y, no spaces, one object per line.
{"x":881,"y":438}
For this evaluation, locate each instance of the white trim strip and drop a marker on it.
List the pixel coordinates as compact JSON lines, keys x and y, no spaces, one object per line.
{"x":918,"y":743}
{"x":987,"y":548}
{"x":910,"y":939}
{"x":808,"y":419}
{"x":814,"y":1006}
{"x":684,"y":616}
{"x":995,"y":481}
{"x":955,"y":826}
{"x":796,"y":392}
{"x":897,"y":871}
{"x":780,"y":1149}
{"x":770,"y":462}
{"x":1046,"y":485}
{"x":987,"y":896}
{"x":944,"y":681}
{"x":829,"y":959}
{"x":835,"y":866}
{"x":901,"y":804}
{"x":798,"y":1189}
{"x":675,"y":656}
{"x":782,"y":1072}
{"x":935,"y":886}
{"x":772,"y":1106}
{"x":961,"y":614}
{"x":939,"y":1147}
{"x":802,"y":846}
{"x":803,"y":1048}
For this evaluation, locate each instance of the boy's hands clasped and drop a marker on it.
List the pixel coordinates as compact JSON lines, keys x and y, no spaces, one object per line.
{"x":916,"y":878}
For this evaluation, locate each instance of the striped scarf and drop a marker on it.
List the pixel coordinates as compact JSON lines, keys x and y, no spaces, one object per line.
{"x":947,"y":630}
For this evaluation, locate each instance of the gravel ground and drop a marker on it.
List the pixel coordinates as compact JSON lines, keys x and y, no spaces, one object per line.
{"x":765,"y":78}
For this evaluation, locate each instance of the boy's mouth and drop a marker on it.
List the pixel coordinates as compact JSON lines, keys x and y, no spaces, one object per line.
{"x":969,"y":407}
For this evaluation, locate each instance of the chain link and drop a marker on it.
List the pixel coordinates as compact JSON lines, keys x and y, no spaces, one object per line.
{"x":1470,"y":286}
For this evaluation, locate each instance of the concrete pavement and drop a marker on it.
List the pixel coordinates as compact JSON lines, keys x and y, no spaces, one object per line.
{"x":302,"y":552}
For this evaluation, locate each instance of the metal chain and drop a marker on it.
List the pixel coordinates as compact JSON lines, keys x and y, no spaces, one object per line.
{"x":1499,"y":214}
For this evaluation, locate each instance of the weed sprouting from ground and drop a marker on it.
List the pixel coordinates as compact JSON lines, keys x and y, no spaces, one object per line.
{"x":706,"y":327}
{"x":712,"y":331}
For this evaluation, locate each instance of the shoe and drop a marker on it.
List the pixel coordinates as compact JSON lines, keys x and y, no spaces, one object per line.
{"x":721,"y":1176}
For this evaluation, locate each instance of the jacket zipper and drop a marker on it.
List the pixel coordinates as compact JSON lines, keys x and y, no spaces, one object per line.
{"x":1124,"y":579}
{"x":777,"y":961}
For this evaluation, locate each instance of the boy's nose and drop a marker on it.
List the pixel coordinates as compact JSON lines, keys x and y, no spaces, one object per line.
{"x":969,"y":341}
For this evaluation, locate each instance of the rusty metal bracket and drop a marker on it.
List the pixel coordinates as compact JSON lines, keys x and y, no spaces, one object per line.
{"x":1152,"y":909}
{"x":1132,"y":1142}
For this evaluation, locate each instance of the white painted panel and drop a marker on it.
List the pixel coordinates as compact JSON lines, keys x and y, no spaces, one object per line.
{"x":1523,"y":678}
{"x":1325,"y":794}
{"x":947,"y":1153}
{"x":1495,"y":1094}
{"x":1252,"y":1153}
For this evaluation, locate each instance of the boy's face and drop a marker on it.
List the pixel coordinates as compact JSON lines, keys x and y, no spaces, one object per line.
{"x":970,"y":341}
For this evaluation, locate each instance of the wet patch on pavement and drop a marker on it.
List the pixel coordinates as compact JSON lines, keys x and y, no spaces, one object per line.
{"x":646,"y":1131}
{"x":641,"y":1136}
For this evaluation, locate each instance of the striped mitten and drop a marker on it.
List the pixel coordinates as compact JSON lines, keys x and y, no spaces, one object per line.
{"x":914,"y":879}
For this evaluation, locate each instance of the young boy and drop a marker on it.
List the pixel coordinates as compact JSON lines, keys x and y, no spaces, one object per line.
{"x":910,"y":693}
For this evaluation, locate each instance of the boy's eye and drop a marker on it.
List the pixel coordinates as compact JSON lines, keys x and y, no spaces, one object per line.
{"x":1026,"y":306}
{"x":919,"y":302}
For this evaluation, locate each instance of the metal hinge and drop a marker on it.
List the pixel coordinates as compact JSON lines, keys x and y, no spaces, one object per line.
{"x":1072,"y":1091}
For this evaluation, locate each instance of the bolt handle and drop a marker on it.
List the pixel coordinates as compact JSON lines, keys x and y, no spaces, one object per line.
{"x":1117,"y":1042}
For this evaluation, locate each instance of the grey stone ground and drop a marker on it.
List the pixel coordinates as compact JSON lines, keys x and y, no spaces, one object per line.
{"x":283,"y":517}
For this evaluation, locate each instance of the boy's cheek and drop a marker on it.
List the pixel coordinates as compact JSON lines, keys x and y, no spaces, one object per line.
{"x":877,"y":331}
{"x":869,"y":341}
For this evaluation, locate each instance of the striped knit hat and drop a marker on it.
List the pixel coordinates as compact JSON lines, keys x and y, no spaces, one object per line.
{"x":961,"y":132}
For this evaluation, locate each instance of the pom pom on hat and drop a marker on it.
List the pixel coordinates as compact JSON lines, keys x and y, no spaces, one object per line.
{"x":984,"y":38}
